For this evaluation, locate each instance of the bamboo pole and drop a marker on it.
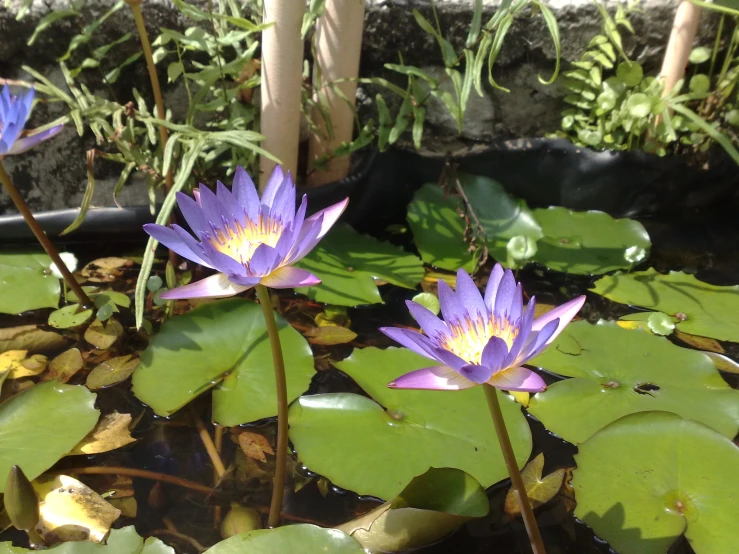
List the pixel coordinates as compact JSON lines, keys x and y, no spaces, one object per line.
{"x":282,"y":69}
{"x":680,"y":44}
{"x":338,"y":48}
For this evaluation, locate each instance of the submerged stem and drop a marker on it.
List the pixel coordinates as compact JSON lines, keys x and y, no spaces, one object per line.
{"x":136,"y":472}
{"x":537,"y":545}
{"x":210,"y":447}
{"x":40,"y":235}
{"x":281,"y":390}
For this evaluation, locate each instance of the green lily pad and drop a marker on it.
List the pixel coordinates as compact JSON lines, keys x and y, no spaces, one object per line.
{"x":586,"y":243}
{"x":306,"y":539}
{"x":120,"y":541}
{"x":40,"y":425}
{"x":26,"y":283}
{"x":387,"y":441}
{"x":700,"y":308}
{"x":657,"y":322}
{"x":616,"y":372}
{"x":221,"y":344}
{"x":648,"y":478}
{"x":438,"y":230}
{"x":69,"y":316}
{"x":349,"y":264}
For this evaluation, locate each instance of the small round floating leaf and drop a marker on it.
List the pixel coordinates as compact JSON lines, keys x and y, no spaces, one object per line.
{"x":648,"y":478}
{"x":700,"y":54}
{"x":69,"y":316}
{"x":607,"y":100}
{"x":639,"y":105}
{"x":221,"y":344}
{"x":306,"y":539}
{"x":590,"y":137}
{"x":630,"y":73}
{"x":660,"y":324}
{"x":70,"y":415}
{"x":521,"y":248}
{"x":700,"y":83}
{"x":428,"y":301}
{"x":616,"y":372}
{"x":384,"y":448}
{"x":26,"y":283}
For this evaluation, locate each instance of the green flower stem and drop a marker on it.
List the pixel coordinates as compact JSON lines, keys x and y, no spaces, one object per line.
{"x":537,"y":545}
{"x":281,"y":389}
{"x":23,"y":208}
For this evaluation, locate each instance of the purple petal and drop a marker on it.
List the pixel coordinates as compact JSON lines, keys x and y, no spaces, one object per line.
{"x":411,"y":339}
{"x":264,"y":259}
{"x":516,"y":307}
{"x":212,"y":208}
{"x":449,"y":358}
{"x":215,"y":286}
{"x":505,"y":295}
{"x":524,"y":333}
{"x":564,"y":313}
{"x":169,"y":238}
{"x":494,"y":354}
{"x":193,"y":214}
{"x":288,"y":277}
{"x":430,"y":324}
{"x":273,"y":183}
{"x":193,"y":245}
{"x":299,"y":218}
{"x":476,"y":373}
{"x":223,"y":262}
{"x":491,"y":289}
{"x":538,"y":341}
{"x":330,"y":216}
{"x":468,"y":295}
{"x":26,"y":143}
{"x":452,"y":311}
{"x":517,"y":379}
{"x":246,"y":193}
{"x":432,"y":378}
{"x":283,"y":204}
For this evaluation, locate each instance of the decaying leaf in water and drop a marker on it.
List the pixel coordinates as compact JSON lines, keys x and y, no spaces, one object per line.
{"x":31,"y":338}
{"x":723,"y":363}
{"x":11,"y":360}
{"x":65,"y":365}
{"x":248,"y":471}
{"x":521,"y":397}
{"x":539,"y":490}
{"x":128,"y":506}
{"x":111,"y":432}
{"x":111,"y":372}
{"x":103,"y":335}
{"x":72,"y":511}
{"x":701,"y":343}
{"x":255,"y":446}
{"x":329,"y":335}
{"x":105,"y":270}
{"x":16,"y":363}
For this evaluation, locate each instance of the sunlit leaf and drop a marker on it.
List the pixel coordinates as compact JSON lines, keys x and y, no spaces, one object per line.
{"x":330,"y":334}
{"x":120,"y":541}
{"x":31,"y":338}
{"x":26,"y":283}
{"x":111,"y":372}
{"x":111,"y":432}
{"x":539,"y":490}
{"x":306,"y":539}
{"x":255,"y":446}
{"x":65,"y":365}
{"x":103,"y":335}
{"x":69,"y":316}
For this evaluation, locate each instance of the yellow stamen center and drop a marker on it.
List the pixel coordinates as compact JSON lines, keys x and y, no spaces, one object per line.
{"x":240,"y":242}
{"x":468,"y":339}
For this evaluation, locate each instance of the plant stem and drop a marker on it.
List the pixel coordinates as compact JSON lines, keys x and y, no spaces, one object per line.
{"x":537,"y":545}
{"x":281,"y":389}
{"x":25,"y":211}
{"x":208,"y":443}
{"x":142,"y":473}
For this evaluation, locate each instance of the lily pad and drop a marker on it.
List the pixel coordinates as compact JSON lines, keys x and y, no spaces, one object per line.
{"x":111,"y":372}
{"x":120,"y":541}
{"x":69,"y":316}
{"x":587,"y":243}
{"x":387,"y":441}
{"x":26,"y":283}
{"x":42,"y":424}
{"x":306,"y":539}
{"x":616,"y":372}
{"x":349,"y":264}
{"x":648,"y":478}
{"x":221,"y":344}
{"x":700,"y":308}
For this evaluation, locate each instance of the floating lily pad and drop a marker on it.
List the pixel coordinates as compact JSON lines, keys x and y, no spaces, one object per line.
{"x":120,"y":541}
{"x":349,"y":264}
{"x":648,"y":478}
{"x":306,"y":539}
{"x":26,"y":283}
{"x":616,"y":372}
{"x":384,"y":444}
{"x":221,"y":344}
{"x":586,"y":243}
{"x":42,"y":424}
{"x":69,"y":316}
{"x":700,"y":308}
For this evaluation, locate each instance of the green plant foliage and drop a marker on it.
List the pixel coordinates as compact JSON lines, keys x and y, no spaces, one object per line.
{"x":306,"y":539}
{"x":616,"y":372}
{"x":349,"y":264}
{"x":120,"y":541}
{"x":648,"y":478}
{"x":69,"y":316}
{"x":387,"y":441}
{"x":698,"y":308}
{"x":40,"y":425}
{"x":26,"y":283}
{"x":586,"y":243}
{"x":221,"y":345}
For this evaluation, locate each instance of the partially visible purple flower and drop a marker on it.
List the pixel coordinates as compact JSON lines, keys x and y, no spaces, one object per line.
{"x":248,"y":240}
{"x":482,"y":340}
{"x":14,"y":111}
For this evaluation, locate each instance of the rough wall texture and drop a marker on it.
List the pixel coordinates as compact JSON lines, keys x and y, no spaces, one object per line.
{"x":54,"y":175}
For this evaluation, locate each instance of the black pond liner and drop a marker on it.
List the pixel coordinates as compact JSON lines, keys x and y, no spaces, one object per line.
{"x":544,"y":172}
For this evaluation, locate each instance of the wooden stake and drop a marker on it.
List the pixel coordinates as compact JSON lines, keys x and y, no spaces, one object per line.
{"x":680,"y":44}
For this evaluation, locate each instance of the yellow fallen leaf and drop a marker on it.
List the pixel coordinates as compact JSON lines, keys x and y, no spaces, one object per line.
{"x":72,"y":511}
{"x":330,"y":335}
{"x":105,"y":270}
{"x":540,"y":491}
{"x":11,"y":360}
{"x":31,"y":338}
{"x":521,"y":397}
{"x":111,"y":432}
{"x":65,"y":365}
{"x":255,"y":446}
{"x":631,"y":325}
{"x":103,"y":334}
{"x":702,"y":343}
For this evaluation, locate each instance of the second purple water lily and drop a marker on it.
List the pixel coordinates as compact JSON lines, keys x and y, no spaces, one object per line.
{"x":482,"y":340}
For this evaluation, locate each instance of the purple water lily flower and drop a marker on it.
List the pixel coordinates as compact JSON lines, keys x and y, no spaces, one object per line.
{"x":248,"y":240}
{"x":481,"y":340}
{"x":14,"y":111}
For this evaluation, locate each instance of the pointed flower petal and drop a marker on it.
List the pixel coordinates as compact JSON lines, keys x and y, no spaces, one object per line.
{"x":411,"y":339}
{"x":288,"y":277}
{"x":517,"y":379}
{"x":24,"y":144}
{"x":432,"y":378}
{"x":564,"y":313}
{"x":169,"y":238}
{"x":215,"y":286}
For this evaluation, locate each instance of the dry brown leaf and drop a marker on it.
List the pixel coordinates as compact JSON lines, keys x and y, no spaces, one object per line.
{"x":103,"y":334}
{"x":701,"y":343}
{"x":539,"y":490}
{"x":16,"y":363}
{"x":127,"y":506}
{"x":255,"y":446}
{"x":105,"y":270}
{"x":111,"y":432}
{"x":31,"y":338}
{"x":330,"y":334}
{"x":65,"y":365}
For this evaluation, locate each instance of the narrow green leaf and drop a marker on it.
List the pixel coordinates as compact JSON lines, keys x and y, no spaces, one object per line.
{"x":475,"y":25}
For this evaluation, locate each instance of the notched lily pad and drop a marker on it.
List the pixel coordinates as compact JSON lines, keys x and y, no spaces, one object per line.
{"x":306,"y":539}
{"x":540,"y":490}
{"x":65,"y":365}
{"x":26,"y":283}
{"x":103,"y":334}
{"x":111,"y":372}
{"x":69,"y":316}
